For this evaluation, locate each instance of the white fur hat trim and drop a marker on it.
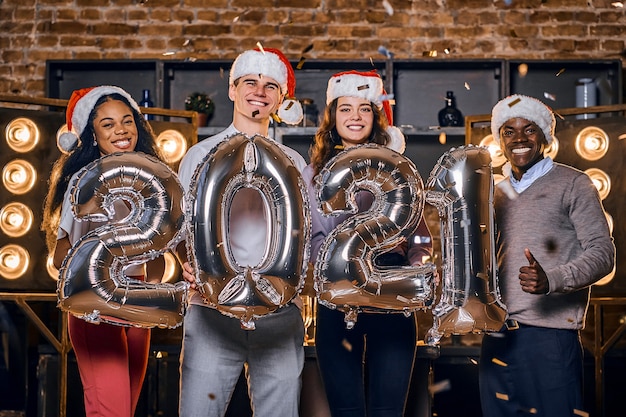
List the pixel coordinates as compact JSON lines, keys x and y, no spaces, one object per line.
{"x":355,"y":85}
{"x":265,"y":63}
{"x":290,"y":112}
{"x":524,"y":107}
{"x":396,"y":142}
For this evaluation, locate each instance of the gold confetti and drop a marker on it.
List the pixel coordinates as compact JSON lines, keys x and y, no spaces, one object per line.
{"x":467,"y":86}
{"x":363,"y":87}
{"x":443,"y":138}
{"x":300,"y":63}
{"x":501,"y":396}
{"x":473,"y":361}
{"x":258,"y":44}
{"x":255,"y":113}
{"x":498,"y":362}
{"x":429,"y":53}
{"x":561,"y":71}
{"x":514,"y":102}
{"x":346,"y":345}
{"x":388,"y":8}
{"x":581,"y":413}
{"x":211,"y":396}
{"x":443,"y":385}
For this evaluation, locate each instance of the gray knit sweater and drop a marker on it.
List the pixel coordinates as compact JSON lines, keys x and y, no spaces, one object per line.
{"x":561,"y":220}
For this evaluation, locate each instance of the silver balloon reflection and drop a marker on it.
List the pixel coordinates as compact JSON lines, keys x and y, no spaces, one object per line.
{"x":461,"y":188}
{"x":345,"y":274}
{"x":92,"y":283}
{"x":257,"y":165}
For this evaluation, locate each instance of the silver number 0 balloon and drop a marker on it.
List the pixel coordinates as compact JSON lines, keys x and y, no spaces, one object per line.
{"x":92,"y":284}
{"x":247,"y":292}
{"x":345,"y":275}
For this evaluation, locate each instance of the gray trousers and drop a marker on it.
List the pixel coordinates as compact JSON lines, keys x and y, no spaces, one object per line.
{"x":215,"y":350}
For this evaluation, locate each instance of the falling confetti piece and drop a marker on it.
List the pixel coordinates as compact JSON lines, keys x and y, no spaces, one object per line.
{"x":307,"y":49}
{"x":300,"y":63}
{"x":388,"y":8}
{"x":446,"y":51}
{"x":443,"y":138}
{"x":363,"y":87}
{"x":522,"y":70}
{"x":429,"y":53}
{"x":384,"y":51}
{"x":169,"y":53}
{"x":473,"y":361}
{"x":402,"y":299}
{"x":581,"y":413}
{"x":235,"y":19}
{"x":440,"y":386}
{"x":386,"y":97}
{"x":346,"y":345}
{"x":617,"y":4}
{"x":211,"y":396}
{"x":467,"y":86}
{"x":187,"y":42}
{"x":501,"y":396}
{"x":514,"y":102}
{"x":255,"y":113}
{"x":258,"y":44}
{"x":549,"y":96}
{"x":498,"y":362}
{"x":561,"y":71}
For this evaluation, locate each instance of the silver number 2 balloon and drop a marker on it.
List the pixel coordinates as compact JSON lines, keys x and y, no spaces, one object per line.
{"x":345,"y":275}
{"x":247,"y":292}
{"x":92,"y":284}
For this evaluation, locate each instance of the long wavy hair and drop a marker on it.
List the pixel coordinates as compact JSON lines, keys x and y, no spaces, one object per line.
{"x":327,"y":142}
{"x":86,"y":152}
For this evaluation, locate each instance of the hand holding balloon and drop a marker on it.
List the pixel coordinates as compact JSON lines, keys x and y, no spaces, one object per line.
{"x":532,"y":277}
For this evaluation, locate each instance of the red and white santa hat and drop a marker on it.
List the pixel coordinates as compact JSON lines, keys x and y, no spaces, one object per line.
{"x":369,"y":86}
{"x":79,"y":107}
{"x":271,"y":63}
{"x":524,"y":107}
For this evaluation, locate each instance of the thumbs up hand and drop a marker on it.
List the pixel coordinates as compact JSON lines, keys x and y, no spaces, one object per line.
{"x":532,"y":277}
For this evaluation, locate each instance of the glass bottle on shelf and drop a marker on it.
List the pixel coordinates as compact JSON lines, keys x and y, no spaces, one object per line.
{"x":146,"y":101}
{"x":450,"y":115}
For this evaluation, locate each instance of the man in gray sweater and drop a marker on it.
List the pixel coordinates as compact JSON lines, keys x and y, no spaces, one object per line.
{"x":553,"y":242}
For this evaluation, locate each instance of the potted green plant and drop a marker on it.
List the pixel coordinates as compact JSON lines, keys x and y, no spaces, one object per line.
{"x":201,"y":103}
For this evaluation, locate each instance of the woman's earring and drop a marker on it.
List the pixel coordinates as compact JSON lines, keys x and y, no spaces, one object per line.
{"x":95,"y":142}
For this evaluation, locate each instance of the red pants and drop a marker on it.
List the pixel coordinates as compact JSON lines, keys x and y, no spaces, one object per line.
{"x":112,"y":362}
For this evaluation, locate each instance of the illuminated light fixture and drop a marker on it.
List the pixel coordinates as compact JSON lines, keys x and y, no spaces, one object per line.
{"x":609,"y":220}
{"x":592,"y":143}
{"x":16,"y":219}
{"x":172,"y":144}
{"x":14,"y":261}
{"x":601,"y":180}
{"x":171,"y":267}
{"x":552,"y":150}
{"x":19,"y":176}
{"x":22,"y":135}
{"x":52,"y":271}
{"x":497,"y":157}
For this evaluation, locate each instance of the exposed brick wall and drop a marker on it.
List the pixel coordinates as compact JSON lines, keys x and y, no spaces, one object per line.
{"x":32,"y":31}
